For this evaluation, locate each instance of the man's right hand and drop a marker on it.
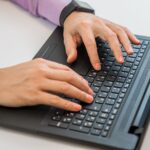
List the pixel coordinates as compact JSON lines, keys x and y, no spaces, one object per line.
{"x":38,"y":82}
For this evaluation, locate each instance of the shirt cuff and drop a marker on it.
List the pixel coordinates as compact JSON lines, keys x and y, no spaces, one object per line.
{"x":51,"y":9}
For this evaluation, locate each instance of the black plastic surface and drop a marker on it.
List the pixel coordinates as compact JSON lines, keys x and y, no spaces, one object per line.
{"x":31,"y":118}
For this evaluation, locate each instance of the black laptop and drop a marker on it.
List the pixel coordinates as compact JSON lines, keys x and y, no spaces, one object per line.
{"x":117,"y":118}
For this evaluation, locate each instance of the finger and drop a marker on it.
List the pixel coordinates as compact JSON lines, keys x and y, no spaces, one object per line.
{"x":60,"y":87}
{"x":51,"y":64}
{"x":70,"y":77}
{"x":71,"y":47}
{"x":122,"y":37}
{"x":90,"y":44}
{"x":131,"y":36}
{"x":56,"y":101}
{"x":57,"y":66}
{"x":114,"y":44}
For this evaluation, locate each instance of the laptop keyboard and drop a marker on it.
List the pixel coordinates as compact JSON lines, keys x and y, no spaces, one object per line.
{"x":110,"y":86}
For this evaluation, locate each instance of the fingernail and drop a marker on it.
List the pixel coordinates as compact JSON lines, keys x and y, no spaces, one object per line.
{"x":121,"y":60}
{"x":77,"y":107}
{"x":97,"y":66}
{"x":138,"y":41}
{"x":131,"y":51}
{"x":90,"y":98}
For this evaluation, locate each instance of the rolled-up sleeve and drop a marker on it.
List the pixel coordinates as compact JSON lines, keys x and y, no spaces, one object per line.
{"x":48,"y":9}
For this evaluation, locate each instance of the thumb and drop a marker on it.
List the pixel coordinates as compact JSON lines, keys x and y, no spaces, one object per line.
{"x":71,"y":48}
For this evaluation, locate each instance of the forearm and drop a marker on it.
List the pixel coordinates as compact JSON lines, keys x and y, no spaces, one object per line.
{"x":48,"y":9}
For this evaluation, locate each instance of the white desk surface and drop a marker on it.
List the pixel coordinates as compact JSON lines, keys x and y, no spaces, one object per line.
{"x":22,"y":35}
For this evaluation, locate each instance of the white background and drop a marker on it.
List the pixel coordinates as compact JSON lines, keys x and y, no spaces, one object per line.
{"x":22,"y":35}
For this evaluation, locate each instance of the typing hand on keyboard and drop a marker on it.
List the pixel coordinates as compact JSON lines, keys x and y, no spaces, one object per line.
{"x":39,"y":81}
{"x":85,"y":27}
{"x":110,"y":86}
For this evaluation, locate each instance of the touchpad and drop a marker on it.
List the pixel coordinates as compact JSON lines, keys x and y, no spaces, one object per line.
{"x":57,"y":53}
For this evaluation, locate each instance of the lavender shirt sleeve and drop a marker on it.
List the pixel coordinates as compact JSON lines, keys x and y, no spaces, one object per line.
{"x":49,"y":9}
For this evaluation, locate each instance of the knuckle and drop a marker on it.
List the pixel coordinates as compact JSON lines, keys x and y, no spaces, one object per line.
{"x":112,"y":35}
{"x":85,"y":23}
{"x":39,"y":61}
{"x":82,"y":96}
{"x":64,"y":87}
{"x":125,"y":29}
{"x":34,"y":97}
{"x":39,"y":70}
{"x":71,"y":77}
{"x":67,"y":105}
{"x":120,"y":30}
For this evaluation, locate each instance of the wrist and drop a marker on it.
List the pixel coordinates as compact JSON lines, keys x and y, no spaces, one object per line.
{"x":75,"y":6}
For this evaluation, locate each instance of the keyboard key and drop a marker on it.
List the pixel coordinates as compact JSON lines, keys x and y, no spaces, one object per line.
{"x":119,"y":100}
{"x":90,"y":118}
{"x":129,"y":59}
{"x":95,"y":89}
{"x":114,"y":111}
{"x":56,"y":118}
{"x":121,"y":95}
{"x":105,"y":89}
{"x":109,"y":122}
{"x":79,"y":129}
{"x":107,"y":128}
{"x":125,"y":69}
{"x":112,"y":117}
{"x":103,"y":115}
{"x":104,"y":133}
{"x":115,"y":90}
{"x":111,"y":78}
{"x":121,"y":79}
{"x":108,"y":83}
{"x":144,"y":46}
{"x":118,"y":84}
{"x":145,"y":42}
{"x":106,"y":108}
{"x":128,"y":64}
{"x":87,"y":124}
{"x":113,"y":96}
{"x":52,"y":123}
{"x":90,"y":79}
{"x":93,"y":113}
{"x":117,"y":105}
{"x":80,"y":116}
{"x":102,"y":94}
{"x":98,"y":126}
{"x":124,"y":90}
{"x":77,"y":122}
{"x":100,"y":78}
{"x":58,"y":124}
{"x":99,"y":100}
{"x":83,"y":111}
{"x":110,"y":101}
{"x":95,"y":132}
{"x":123,"y":74}
{"x":137,"y":46}
{"x":69,"y":114}
{"x":136,"y":50}
{"x":66,"y":119}
{"x":94,"y":107}
{"x":101,"y":120}
{"x":128,"y":81}
{"x":97,"y":83}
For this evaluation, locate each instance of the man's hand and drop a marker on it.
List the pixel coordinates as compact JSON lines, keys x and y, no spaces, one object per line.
{"x":38,"y":82}
{"x":85,"y":27}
